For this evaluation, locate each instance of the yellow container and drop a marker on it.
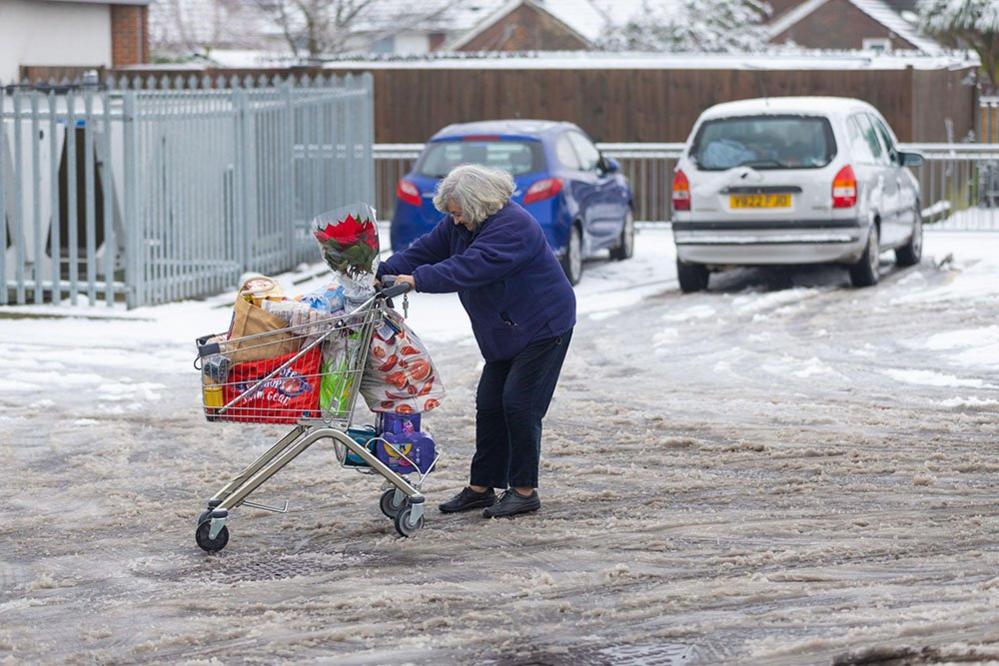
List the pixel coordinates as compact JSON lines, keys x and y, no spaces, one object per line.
{"x":213,"y":395}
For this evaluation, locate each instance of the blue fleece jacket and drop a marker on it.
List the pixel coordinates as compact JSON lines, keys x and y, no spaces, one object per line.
{"x":506,"y":276}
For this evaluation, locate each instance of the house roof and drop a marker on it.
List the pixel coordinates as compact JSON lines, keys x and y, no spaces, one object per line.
{"x":778,"y":59}
{"x":106,"y":2}
{"x":503,"y":11}
{"x":875,"y":9}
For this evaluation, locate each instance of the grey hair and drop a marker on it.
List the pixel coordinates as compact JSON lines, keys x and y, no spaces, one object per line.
{"x":477,"y":190}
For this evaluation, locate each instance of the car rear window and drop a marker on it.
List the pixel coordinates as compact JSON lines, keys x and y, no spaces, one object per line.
{"x":764,"y":142}
{"x":517,"y":157}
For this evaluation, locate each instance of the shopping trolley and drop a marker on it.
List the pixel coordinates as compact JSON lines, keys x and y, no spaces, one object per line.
{"x":308,"y":375}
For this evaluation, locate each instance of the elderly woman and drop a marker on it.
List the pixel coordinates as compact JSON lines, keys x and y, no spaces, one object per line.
{"x":522,"y":308}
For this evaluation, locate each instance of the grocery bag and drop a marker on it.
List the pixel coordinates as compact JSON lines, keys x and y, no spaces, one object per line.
{"x":401,"y":452}
{"x":291,"y":394}
{"x":340,"y":372}
{"x":251,"y":319}
{"x":399,"y":376}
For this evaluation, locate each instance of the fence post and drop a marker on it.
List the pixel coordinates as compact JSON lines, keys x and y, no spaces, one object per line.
{"x":368,"y":113}
{"x":288,"y":195}
{"x":4,"y":179}
{"x":244,"y":147}
{"x":36,"y":199}
{"x":132,"y":225}
{"x":55,"y":253}
{"x":18,"y":198}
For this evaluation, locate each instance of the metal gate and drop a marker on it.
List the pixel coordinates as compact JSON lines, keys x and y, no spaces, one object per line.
{"x":959,"y":182}
{"x":171,"y":190}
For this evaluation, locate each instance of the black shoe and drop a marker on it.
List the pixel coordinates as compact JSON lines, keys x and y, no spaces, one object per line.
{"x":511,"y":503}
{"x":468,"y":499}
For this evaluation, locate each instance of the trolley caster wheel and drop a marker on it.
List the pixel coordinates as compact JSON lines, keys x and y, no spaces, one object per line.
{"x":403,"y":524}
{"x":207,"y":513}
{"x":388,"y":504}
{"x":211,"y":545}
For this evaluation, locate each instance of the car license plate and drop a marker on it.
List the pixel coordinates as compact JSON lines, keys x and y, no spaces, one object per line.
{"x":760,"y":200}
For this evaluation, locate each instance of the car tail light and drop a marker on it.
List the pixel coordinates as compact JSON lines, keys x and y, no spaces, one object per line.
{"x":681,"y":191}
{"x":844,"y":188}
{"x":408,"y":192}
{"x":543,"y":189}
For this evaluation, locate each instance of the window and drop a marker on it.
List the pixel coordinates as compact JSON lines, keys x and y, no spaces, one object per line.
{"x":565,"y":153}
{"x":589,"y":156}
{"x":870,"y":137}
{"x":886,"y":138}
{"x":764,"y":142}
{"x":516,"y":157}
{"x":860,"y":150}
{"x":876,"y":44}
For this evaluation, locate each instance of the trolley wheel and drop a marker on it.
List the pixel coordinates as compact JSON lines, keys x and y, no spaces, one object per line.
{"x":402,"y":522}
{"x":387,"y":503}
{"x":211,"y":545}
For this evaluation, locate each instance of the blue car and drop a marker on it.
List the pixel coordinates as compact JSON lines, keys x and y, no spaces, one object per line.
{"x":581,"y":199}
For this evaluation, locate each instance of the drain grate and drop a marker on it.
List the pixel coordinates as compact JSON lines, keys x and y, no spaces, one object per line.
{"x":234,"y":570}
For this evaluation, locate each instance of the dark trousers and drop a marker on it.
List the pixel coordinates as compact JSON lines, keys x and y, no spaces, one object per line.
{"x":512,"y":399}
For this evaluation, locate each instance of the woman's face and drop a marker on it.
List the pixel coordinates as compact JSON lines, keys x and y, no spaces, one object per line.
{"x":459,"y":218}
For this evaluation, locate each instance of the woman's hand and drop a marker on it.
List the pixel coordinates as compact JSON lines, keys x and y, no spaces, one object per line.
{"x":408,"y":279}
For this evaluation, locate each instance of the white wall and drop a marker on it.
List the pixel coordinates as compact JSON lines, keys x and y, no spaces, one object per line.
{"x":407,"y":43}
{"x":39,"y":32}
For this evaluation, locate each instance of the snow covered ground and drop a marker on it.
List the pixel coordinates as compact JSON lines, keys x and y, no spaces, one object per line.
{"x":780,"y":470}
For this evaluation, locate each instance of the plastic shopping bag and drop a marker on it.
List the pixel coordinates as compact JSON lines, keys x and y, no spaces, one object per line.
{"x":348,"y":241}
{"x":399,"y":376}
{"x":340,"y":372}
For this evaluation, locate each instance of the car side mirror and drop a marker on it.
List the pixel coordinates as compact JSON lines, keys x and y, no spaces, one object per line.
{"x":609,"y":165}
{"x":911,"y":159}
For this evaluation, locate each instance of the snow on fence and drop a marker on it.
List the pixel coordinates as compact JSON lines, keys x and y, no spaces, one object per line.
{"x":959,"y":182}
{"x":171,"y":190}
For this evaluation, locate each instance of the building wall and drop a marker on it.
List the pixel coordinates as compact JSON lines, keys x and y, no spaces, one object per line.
{"x":129,"y":35}
{"x":526,"y":29}
{"x":837,"y":25}
{"x":407,"y":43}
{"x":36,"y":32}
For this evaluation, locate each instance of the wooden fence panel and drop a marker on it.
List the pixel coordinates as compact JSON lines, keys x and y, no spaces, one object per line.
{"x":639,"y":105}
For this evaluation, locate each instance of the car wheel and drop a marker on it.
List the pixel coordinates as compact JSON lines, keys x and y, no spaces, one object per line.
{"x":864,"y":273}
{"x":910,"y":253}
{"x":692,"y":277}
{"x":572,"y":260}
{"x":626,"y":245}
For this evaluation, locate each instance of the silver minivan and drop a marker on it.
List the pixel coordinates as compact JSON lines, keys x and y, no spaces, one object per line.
{"x":794,"y":180}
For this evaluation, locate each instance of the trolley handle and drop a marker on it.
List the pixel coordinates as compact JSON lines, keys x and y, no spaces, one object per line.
{"x":390,"y":289}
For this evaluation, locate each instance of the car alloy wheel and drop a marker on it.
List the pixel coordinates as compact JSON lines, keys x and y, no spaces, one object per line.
{"x":572,"y":261}
{"x":874,"y":250}
{"x":626,"y":249}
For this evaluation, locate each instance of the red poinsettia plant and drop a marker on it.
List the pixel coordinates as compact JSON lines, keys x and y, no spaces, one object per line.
{"x":348,"y":239}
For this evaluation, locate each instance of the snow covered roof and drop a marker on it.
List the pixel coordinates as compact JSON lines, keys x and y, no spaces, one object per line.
{"x":589,"y":18}
{"x":876,"y":9}
{"x":504,"y":10}
{"x":779,"y":59}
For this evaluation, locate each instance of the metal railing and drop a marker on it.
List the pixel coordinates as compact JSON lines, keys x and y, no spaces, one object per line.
{"x":172,"y":189}
{"x":959,"y":182}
